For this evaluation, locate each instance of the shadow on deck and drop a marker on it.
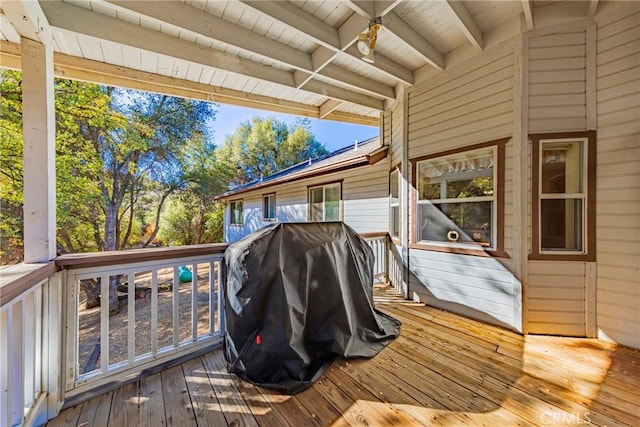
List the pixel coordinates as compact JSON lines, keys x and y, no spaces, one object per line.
{"x":443,"y":370}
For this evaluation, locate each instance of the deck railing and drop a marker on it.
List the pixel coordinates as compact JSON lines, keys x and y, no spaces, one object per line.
{"x":388,"y":266}
{"x":378,"y":242}
{"x":167,"y":307}
{"x":55,"y":347}
{"x":29,"y":340}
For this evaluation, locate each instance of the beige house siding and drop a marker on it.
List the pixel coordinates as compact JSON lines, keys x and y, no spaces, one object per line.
{"x":618,"y":176}
{"x":468,"y":104}
{"x":557,"y":76}
{"x":557,"y":85}
{"x":386,"y":127}
{"x":365,"y":202}
{"x":556,"y":298}
{"x":397,"y":120}
{"x":471,"y":103}
{"x":602,"y":298}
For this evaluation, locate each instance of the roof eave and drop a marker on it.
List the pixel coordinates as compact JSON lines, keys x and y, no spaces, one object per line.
{"x":364,"y":160}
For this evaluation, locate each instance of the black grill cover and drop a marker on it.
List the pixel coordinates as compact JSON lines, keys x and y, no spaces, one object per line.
{"x":298,"y":295}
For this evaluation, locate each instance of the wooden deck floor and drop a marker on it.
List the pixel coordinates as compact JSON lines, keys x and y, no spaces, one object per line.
{"x":442,"y":370}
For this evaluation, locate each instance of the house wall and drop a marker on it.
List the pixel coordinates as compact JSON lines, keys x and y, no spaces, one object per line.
{"x":365,"y":201}
{"x":588,"y":77}
{"x":470,"y":103}
{"x":556,"y":297}
{"x":618,"y":175}
{"x":576,"y":76}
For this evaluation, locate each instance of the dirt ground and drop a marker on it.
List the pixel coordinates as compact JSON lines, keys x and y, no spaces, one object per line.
{"x":89,"y":319}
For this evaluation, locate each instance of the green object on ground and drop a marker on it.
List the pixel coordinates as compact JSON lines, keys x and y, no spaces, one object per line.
{"x":184,"y":274}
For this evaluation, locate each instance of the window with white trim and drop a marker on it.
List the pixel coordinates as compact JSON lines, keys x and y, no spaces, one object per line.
{"x":562,"y":191}
{"x":269,"y":207}
{"x":235,"y":209}
{"x":456,"y":199}
{"x":394,"y":204}
{"x":324,"y":202}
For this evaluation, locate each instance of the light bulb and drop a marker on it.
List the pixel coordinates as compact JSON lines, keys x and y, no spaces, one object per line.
{"x":368,"y":57}
{"x":363,"y":46}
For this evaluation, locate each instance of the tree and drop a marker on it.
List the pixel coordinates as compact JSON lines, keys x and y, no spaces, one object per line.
{"x":261,"y":147}
{"x":10,"y":167}
{"x":136,"y":150}
{"x":119,"y":157}
{"x":192,"y":216}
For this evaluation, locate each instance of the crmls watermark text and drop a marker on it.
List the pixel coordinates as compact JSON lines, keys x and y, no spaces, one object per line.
{"x":564,"y":418}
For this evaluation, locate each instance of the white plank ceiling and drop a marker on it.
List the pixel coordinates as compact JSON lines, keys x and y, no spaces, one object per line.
{"x":291,"y":56}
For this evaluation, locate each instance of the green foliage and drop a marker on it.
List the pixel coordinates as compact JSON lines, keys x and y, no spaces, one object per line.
{"x":136,"y":168}
{"x":261,"y":147}
{"x":118,"y":158}
{"x":192,"y":216}
{"x":10,"y":167}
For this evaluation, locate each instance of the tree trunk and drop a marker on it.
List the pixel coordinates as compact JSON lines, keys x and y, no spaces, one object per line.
{"x":156,"y":227}
{"x":110,"y":219}
{"x":91,"y":289}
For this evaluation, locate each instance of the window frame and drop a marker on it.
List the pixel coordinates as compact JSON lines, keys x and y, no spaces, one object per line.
{"x":323,"y":185}
{"x":588,"y":252}
{"x":265,"y":211}
{"x":497,"y":250}
{"x":233,"y":203}
{"x":397,"y":204}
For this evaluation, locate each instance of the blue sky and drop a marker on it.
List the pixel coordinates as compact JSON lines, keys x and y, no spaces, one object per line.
{"x":332,"y":134}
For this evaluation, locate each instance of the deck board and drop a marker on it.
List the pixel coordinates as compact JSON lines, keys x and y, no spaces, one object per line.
{"x":444,"y":369}
{"x":152,"y":402}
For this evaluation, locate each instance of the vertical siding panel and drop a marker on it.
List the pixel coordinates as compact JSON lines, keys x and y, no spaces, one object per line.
{"x":557,"y":82}
{"x":396,"y":133}
{"x":618,"y":177}
{"x":556,"y":299}
{"x":386,"y":127}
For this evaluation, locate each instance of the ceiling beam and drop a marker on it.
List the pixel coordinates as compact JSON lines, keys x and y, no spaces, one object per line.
{"x":335,"y":92}
{"x":527,"y":8}
{"x":350,"y":78}
{"x":389,"y":66}
{"x":186,"y":17}
{"x":83,"y":21}
{"x":466,"y":23}
{"x":329,"y":37}
{"x":189,"y":18}
{"x":399,"y":27}
{"x":351,"y":29}
{"x":298,"y":19}
{"x":71,"y":67}
{"x":382,"y":7}
{"x":415,"y":41}
{"x":28,"y":19}
{"x":76,"y":19}
{"x":329,"y":107}
{"x":7,"y":29}
{"x":365,"y":8}
{"x":370,"y":9}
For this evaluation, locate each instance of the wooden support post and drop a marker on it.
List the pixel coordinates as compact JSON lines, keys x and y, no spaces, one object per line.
{"x":520,"y":191}
{"x":38,"y":124}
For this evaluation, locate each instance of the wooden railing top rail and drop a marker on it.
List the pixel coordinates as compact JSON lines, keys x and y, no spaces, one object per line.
{"x":16,"y":279}
{"x":374,"y":234}
{"x":99,"y":259}
{"x":19,"y":278}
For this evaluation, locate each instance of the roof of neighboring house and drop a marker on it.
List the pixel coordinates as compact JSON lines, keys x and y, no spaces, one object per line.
{"x":365,"y":153}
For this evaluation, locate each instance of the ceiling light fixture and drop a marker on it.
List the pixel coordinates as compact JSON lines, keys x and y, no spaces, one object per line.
{"x":367,"y":40}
